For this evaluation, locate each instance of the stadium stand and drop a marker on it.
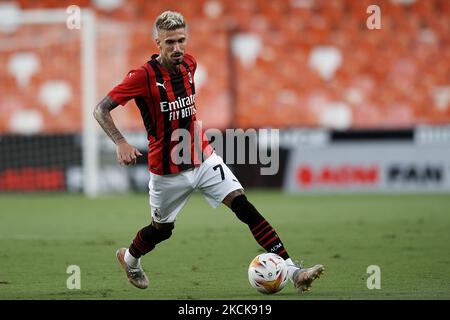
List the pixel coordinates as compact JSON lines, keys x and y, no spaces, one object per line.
{"x":299,"y":63}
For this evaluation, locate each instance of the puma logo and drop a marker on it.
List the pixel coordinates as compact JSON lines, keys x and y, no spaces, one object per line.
{"x":161,"y":84}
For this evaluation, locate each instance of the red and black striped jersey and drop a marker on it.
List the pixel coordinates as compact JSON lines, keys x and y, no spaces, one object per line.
{"x":166,"y":102}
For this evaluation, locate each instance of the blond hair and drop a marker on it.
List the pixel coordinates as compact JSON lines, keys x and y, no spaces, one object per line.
{"x":168,"y":20}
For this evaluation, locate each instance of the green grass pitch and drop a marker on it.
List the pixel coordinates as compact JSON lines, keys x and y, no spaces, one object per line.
{"x":407,"y":236}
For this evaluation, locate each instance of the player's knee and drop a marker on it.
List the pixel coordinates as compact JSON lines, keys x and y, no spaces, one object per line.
{"x":163,"y":226}
{"x":245,"y":211}
{"x":162,"y":231}
{"x":163,"y":235}
{"x":231,"y":196}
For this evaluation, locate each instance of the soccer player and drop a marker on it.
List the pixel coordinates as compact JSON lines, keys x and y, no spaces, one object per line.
{"x":164,"y":91}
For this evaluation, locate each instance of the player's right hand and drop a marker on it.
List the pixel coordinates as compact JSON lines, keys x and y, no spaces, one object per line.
{"x":126,"y":154}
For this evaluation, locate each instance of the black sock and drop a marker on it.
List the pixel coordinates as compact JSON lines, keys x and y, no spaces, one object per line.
{"x":146,"y":239}
{"x":262,"y":231}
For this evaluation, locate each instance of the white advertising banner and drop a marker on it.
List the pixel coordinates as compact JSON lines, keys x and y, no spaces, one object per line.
{"x":369,"y":167}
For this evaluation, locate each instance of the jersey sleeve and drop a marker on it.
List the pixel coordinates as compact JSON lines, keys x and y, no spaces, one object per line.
{"x":132,"y":86}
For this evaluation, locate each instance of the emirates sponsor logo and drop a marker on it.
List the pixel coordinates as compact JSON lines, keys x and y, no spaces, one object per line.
{"x":180,"y":103}
{"x":180,"y":108}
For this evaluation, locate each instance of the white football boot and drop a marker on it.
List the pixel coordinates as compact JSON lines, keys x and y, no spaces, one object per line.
{"x":304,"y":277}
{"x":136,"y":276}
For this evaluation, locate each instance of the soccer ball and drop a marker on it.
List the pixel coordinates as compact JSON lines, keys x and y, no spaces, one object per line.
{"x":268,"y":273}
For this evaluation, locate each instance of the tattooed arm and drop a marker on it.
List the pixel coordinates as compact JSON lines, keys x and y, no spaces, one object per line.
{"x":102,"y":114}
{"x":126,"y":153}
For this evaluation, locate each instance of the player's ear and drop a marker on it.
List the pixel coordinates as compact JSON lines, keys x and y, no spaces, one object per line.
{"x":156,"y":37}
